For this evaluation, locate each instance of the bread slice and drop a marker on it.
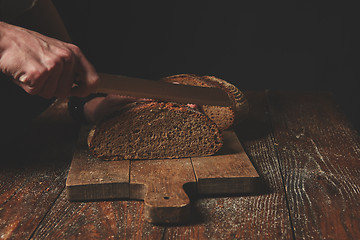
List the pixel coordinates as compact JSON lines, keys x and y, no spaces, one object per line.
{"x":153,"y":130}
{"x":224,"y":117}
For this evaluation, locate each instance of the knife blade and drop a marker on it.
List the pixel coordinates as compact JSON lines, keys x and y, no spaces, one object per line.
{"x":164,"y":91}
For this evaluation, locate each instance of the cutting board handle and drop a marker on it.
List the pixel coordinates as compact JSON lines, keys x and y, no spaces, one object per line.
{"x":161,"y":187}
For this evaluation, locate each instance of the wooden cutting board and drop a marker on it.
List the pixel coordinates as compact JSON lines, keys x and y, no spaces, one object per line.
{"x":163,"y":185}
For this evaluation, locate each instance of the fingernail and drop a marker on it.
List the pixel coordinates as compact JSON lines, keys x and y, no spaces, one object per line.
{"x":22,"y":78}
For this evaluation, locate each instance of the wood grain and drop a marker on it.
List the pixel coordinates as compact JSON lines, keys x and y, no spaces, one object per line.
{"x":90,"y":178}
{"x":33,"y":176}
{"x":261,"y":215}
{"x":227,"y":172}
{"x":160,"y":183}
{"x":319,"y":155}
{"x":96,"y":220}
{"x":300,"y":144}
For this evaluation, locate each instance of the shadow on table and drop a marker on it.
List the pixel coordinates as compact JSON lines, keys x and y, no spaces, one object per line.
{"x":47,"y":141}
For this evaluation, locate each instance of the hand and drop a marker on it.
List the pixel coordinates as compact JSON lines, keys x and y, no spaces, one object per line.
{"x":44,"y":66}
{"x":100,"y":107}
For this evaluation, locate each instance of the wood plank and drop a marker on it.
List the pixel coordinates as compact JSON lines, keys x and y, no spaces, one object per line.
{"x":160,"y":183}
{"x":319,"y":155}
{"x":33,"y":176}
{"x":96,"y":220}
{"x":257,"y":216}
{"x":321,"y":183}
{"x":90,"y":178}
{"x":228,"y":172}
{"x":21,"y":213}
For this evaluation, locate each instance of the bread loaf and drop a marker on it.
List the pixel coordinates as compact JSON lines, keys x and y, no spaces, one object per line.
{"x":152,"y":130}
{"x":224,"y":117}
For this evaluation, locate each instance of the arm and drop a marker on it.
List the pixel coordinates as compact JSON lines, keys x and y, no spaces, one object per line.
{"x":40,"y":64}
{"x":45,"y":19}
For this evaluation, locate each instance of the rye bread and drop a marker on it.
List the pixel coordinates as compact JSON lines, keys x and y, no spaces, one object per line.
{"x":154,"y":130}
{"x":224,"y":117}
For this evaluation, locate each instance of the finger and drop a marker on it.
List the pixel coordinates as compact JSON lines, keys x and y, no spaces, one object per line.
{"x":32,"y":78}
{"x":91,"y":109}
{"x":87,"y":76}
{"x":67,"y":78}
{"x":100,"y":107}
{"x":50,"y":86}
{"x":25,"y":83}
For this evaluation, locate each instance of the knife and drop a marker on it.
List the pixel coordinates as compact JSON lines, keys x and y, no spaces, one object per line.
{"x":164,"y":91}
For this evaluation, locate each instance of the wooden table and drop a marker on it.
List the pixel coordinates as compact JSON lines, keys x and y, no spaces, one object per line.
{"x":305,"y":151}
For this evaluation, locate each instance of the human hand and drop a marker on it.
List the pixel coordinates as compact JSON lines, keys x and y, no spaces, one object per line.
{"x":44,"y":66}
{"x":100,"y":107}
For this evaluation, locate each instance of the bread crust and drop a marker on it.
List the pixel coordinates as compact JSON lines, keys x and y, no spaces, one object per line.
{"x":240,"y":104}
{"x":224,"y":117}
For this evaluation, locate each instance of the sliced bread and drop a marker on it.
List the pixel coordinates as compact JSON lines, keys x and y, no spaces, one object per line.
{"x":153,"y":130}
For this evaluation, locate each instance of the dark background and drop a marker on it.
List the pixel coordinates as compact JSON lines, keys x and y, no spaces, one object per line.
{"x":256,"y":45}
